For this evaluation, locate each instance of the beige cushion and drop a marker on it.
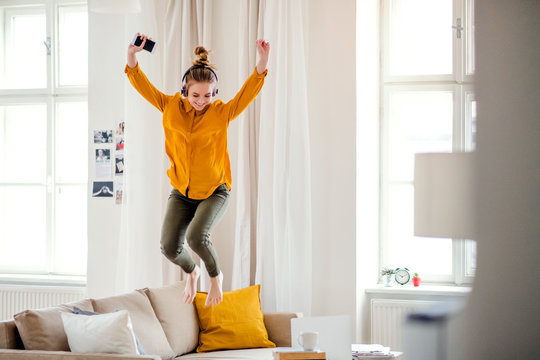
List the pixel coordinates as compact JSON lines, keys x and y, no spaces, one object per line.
{"x":145,"y":323}
{"x":278,"y":326}
{"x":43,"y":329}
{"x":244,"y":354}
{"x":178,"y":319}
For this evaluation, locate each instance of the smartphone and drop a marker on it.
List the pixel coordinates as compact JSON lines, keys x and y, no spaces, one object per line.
{"x":149,"y":46}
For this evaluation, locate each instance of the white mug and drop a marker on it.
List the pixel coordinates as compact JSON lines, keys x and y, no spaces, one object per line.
{"x":308,"y":340}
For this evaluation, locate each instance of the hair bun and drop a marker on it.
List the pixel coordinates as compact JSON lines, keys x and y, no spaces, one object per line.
{"x":202,"y":53}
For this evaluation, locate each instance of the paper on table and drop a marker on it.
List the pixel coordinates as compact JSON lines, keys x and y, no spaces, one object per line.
{"x":370,"y":349}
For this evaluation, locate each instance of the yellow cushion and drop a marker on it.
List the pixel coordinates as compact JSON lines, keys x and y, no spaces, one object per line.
{"x":236,"y":323}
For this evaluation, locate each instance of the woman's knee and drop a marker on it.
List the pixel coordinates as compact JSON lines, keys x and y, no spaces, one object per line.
{"x":197,"y":240}
{"x":170,"y":247}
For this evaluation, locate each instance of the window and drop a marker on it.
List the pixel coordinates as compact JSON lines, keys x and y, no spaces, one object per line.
{"x":43,"y":137}
{"x":428,"y":105}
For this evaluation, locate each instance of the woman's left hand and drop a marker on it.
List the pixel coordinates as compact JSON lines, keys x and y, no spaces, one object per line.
{"x":263,"y":49}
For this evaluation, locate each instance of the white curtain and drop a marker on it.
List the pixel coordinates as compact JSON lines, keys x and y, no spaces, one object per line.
{"x":284,"y":240}
{"x":246,"y":174}
{"x":139,"y":257}
{"x":272,"y":239}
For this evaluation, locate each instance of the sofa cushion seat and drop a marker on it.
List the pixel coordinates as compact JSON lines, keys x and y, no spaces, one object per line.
{"x":243,"y":354}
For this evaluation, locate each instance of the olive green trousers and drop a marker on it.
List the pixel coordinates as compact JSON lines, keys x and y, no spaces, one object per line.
{"x":193,"y":220}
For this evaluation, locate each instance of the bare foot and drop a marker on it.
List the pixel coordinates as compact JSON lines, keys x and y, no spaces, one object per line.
{"x":191,"y":285}
{"x":215,"y":294}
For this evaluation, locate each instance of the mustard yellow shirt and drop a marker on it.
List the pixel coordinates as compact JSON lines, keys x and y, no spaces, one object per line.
{"x":196,"y":141}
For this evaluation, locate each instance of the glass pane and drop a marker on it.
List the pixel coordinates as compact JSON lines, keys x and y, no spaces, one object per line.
{"x":23,"y":233}
{"x":422,"y":255}
{"x":23,"y":143}
{"x":24,"y":54}
{"x":70,"y":230}
{"x":73,"y":45}
{"x":418,"y":122}
{"x":470,"y":257}
{"x":72,"y":142}
{"x":420,"y":37}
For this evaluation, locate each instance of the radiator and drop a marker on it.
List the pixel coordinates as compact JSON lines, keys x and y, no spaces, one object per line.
{"x":16,"y":298}
{"x":387,"y":319}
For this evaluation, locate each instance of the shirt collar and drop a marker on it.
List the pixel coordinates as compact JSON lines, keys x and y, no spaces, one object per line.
{"x":187,"y":105}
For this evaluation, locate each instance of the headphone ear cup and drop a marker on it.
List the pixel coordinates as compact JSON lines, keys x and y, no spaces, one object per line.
{"x":183,"y":91}
{"x":215,"y":92}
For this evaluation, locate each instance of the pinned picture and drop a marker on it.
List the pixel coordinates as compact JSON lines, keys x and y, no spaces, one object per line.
{"x":119,"y":192}
{"x":119,"y":135}
{"x":103,"y":164}
{"x":103,"y":136}
{"x":119,"y":168}
{"x":102,"y":189}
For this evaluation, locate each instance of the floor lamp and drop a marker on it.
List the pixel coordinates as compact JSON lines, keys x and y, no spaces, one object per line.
{"x":444,"y":207}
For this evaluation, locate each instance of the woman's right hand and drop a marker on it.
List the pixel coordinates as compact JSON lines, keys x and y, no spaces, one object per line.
{"x":133,"y":50}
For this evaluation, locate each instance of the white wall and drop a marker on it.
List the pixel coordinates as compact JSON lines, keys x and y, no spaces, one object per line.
{"x":367,"y":161}
{"x":105,"y":106}
{"x":332,"y":98}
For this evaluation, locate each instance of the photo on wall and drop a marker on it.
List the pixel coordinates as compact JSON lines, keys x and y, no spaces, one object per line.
{"x":102,"y":189}
{"x":119,"y":135}
{"x":103,"y":136}
{"x":119,"y":191}
{"x":103,"y":164}
{"x":119,"y":168}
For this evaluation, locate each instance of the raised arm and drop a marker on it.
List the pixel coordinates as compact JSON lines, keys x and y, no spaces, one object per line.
{"x":253,"y":84}
{"x":140,"y":82}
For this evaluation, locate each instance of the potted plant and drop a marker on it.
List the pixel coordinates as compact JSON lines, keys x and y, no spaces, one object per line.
{"x":387,"y":276}
{"x":416,"y":279}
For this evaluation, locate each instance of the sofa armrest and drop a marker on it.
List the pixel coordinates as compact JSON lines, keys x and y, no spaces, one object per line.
{"x":10,"y":354}
{"x":9,"y":335}
{"x":278,"y":326}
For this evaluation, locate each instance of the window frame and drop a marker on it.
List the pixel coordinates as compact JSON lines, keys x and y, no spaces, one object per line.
{"x":460,"y":83}
{"x":51,"y":96}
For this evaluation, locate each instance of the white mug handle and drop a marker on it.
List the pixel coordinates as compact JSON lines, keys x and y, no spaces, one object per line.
{"x":300,"y":337}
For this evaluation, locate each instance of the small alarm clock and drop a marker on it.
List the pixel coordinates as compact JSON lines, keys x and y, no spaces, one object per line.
{"x":402,"y":276}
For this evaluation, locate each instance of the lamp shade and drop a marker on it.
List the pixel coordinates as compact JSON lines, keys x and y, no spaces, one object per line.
{"x":444,"y":198}
{"x":114,"y":6}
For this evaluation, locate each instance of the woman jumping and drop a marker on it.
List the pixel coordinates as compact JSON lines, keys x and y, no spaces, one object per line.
{"x":196,"y":143}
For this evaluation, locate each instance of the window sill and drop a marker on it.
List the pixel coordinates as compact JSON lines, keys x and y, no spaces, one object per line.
{"x":43,"y":280}
{"x":422,"y":290}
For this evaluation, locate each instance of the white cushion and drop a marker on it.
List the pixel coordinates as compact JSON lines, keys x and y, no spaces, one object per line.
{"x":104,"y":333}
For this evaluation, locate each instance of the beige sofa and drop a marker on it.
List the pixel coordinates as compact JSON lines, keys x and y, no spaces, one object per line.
{"x":165,"y":327}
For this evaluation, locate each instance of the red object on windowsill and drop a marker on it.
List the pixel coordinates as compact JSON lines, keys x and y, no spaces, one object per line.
{"x":416,"y":281}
